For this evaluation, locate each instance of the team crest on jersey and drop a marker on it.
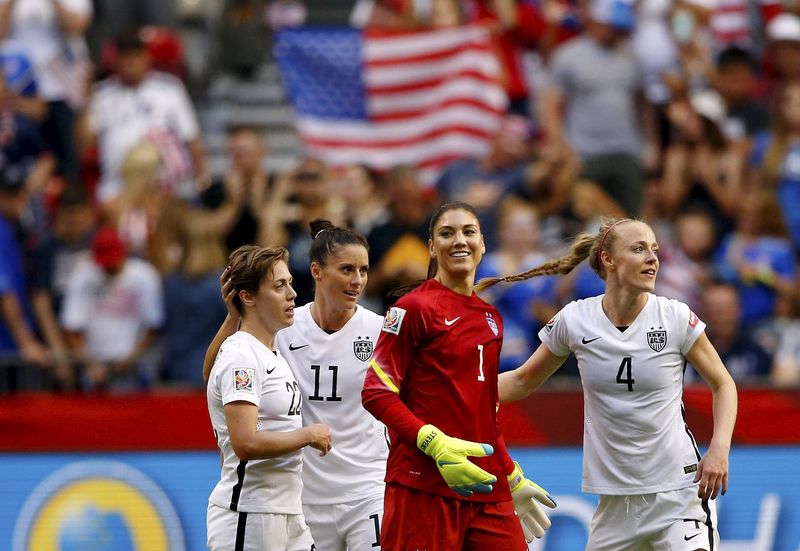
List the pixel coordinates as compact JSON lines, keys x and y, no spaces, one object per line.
{"x":243,"y":380}
{"x":362,"y":348}
{"x":492,"y":323}
{"x":393,"y":320}
{"x":657,"y":339}
{"x":549,"y":325}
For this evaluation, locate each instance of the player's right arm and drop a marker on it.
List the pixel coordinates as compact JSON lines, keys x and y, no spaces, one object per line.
{"x":522,"y":381}
{"x":229,"y":326}
{"x":401,"y":332}
{"x":249,"y":443}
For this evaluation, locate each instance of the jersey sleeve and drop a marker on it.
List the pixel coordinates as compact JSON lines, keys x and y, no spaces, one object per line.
{"x":239,"y":380}
{"x":401,"y":334}
{"x":555,"y":334}
{"x":690,"y":325}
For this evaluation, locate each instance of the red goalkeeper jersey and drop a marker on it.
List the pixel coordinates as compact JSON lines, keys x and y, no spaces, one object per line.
{"x":437,"y":356}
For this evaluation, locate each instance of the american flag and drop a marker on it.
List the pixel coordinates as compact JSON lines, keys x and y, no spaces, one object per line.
{"x":386,"y":99}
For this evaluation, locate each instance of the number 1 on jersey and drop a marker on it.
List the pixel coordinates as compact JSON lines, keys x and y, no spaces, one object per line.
{"x":480,"y":363}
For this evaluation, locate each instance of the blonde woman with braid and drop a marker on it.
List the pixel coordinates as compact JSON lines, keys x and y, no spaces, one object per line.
{"x":631,"y":347}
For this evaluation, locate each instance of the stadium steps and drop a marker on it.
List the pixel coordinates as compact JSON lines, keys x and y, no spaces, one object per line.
{"x":260,"y":101}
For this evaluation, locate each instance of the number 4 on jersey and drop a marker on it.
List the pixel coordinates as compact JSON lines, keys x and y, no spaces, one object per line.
{"x":625,"y":369}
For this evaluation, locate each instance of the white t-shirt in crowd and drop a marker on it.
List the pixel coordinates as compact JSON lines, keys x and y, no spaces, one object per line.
{"x":113,"y":312}
{"x":123,"y":116}
{"x":35,"y":31}
{"x":246,"y":370}
{"x":635,"y":439}
{"x":330,"y":369}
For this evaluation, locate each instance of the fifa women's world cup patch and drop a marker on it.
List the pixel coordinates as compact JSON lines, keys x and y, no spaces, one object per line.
{"x":393,"y":320}
{"x":243,"y":380}
{"x":693,"y":319}
{"x":549,"y":325}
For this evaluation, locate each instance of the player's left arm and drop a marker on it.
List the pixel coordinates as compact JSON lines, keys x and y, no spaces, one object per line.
{"x":712,"y":472}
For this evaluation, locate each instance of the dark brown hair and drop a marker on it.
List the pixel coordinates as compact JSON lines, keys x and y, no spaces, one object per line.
{"x":250,"y":264}
{"x":433,"y":265}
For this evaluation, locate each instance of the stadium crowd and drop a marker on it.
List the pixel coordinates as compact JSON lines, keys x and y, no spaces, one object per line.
{"x":114,"y":231}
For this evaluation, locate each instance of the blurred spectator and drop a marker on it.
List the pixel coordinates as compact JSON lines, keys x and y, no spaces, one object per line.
{"x":736,"y":80}
{"x":164,"y":46}
{"x":298,"y":197}
{"x":193,"y":307}
{"x":786,"y":361}
{"x":758,"y":259}
{"x":783,"y":52}
{"x":398,"y":249}
{"x":282,"y":14}
{"x":17,"y":331}
{"x":51,"y":33}
{"x":484,"y":182}
{"x":654,"y":44}
{"x":701,"y":169}
{"x":113,"y":309}
{"x":23,"y":149}
{"x":525,"y":306}
{"x":742,"y":356}
{"x":550,"y":179}
{"x":775,"y":159}
{"x":114,"y":17}
{"x":243,"y":37}
{"x":594,"y":105}
{"x":686,"y":258}
{"x":53,"y":264}
{"x":246,"y":182}
{"x":140,"y":104}
{"x":145,"y":213}
{"x":364,"y":192}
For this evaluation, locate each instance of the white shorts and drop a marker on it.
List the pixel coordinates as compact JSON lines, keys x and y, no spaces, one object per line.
{"x":355,"y":525}
{"x":665,"y":521}
{"x":235,"y":531}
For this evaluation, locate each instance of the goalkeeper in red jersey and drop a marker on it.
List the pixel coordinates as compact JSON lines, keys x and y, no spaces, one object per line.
{"x":451,"y":483}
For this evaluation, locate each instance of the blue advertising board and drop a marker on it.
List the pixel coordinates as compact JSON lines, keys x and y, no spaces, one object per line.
{"x":157,"y":501}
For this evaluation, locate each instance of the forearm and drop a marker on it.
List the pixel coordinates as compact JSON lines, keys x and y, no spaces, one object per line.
{"x":13,"y":318}
{"x":264,"y":444}
{"x":519,"y":383}
{"x":70,"y":22}
{"x":229,"y":326}
{"x":387,"y":408}
{"x":725,"y":407}
{"x":511,"y":387}
{"x":43,"y":310}
{"x":198,"y":155}
{"x":5,"y":18}
{"x":550,"y":115}
{"x":142,"y":346}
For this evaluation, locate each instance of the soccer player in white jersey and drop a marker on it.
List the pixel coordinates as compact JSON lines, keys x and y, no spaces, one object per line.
{"x":632,"y":347}
{"x":328,"y":348}
{"x":254,"y":403}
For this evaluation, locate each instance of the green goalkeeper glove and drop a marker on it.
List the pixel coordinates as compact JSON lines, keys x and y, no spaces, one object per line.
{"x":450,"y":454}
{"x":525,"y":495}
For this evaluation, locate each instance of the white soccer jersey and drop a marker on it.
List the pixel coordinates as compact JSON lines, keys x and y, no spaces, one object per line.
{"x":635,"y":439}
{"x":330,"y":370}
{"x":247,"y":370}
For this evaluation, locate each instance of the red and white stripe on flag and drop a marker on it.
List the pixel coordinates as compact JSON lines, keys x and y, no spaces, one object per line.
{"x":431,"y":97}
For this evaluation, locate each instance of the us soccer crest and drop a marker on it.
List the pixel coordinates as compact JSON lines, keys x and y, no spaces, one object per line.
{"x":492,"y":324}
{"x":362,"y":348}
{"x":657,"y":339}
